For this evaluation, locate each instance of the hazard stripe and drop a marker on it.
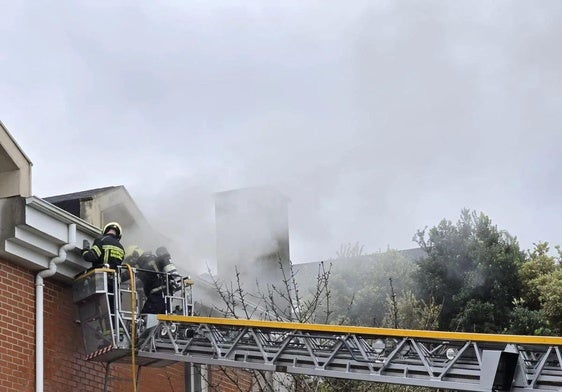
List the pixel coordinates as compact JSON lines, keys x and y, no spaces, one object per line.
{"x":99,"y":352}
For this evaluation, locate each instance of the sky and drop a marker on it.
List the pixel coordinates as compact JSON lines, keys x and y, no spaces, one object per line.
{"x":374,"y":118}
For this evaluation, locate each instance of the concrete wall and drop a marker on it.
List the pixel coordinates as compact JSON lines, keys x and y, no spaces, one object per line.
{"x":252,"y":234}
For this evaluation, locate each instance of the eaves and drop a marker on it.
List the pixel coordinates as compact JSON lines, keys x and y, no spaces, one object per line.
{"x":32,"y":231}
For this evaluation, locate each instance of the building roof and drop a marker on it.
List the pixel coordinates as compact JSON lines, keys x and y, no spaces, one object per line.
{"x":413,"y":254}
{"x":265,"y":192}
{"x":88,"y":194}
{"x":15,"y":167}
{"x":9,"y":137}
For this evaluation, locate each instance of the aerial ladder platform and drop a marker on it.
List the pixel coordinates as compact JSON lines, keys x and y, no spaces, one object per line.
{"x":434,"y":359}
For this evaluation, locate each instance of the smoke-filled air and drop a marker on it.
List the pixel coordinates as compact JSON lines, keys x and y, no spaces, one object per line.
{"x":373,"y":118}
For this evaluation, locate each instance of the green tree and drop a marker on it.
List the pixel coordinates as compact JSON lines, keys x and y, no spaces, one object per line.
{"x":406,"y":311}
{"x":372,"y":290}
{"x":551,"y":299}
{"x":360,"y":286}
{"x":541,"y":278}
{"x":539,"y":309}
{"x":471,"y":268}
{"x":525,"y":321}
{"x":535,"y":274}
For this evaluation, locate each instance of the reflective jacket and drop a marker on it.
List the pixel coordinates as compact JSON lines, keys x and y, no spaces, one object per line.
{"x":155,"y":283}
{"x":106,"y":250}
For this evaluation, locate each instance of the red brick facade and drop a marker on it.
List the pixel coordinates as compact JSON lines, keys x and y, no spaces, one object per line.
{"x":17,"y":329}
{"x":65,"y":369}
{"x":229,"y":380}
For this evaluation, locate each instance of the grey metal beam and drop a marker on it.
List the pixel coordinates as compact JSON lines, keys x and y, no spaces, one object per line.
{"x":457,"y":365}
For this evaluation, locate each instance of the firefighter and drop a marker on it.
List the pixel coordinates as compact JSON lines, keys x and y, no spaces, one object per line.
{"x":107,"y":249}
{"x":132,"y":254}
{"x":159,"y":277}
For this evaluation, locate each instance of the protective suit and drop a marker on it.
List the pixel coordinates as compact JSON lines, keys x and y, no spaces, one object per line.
{"x":159,"y":277}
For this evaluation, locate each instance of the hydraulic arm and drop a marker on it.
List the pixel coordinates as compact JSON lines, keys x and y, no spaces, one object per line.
{"x":114,"y":332}
{"x":446,"y":360}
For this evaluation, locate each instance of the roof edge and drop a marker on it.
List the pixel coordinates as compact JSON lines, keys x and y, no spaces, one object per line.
{"x":56,"y":212}
{"x":15,"y":143}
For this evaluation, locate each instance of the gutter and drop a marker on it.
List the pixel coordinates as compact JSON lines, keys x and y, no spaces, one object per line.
{"x":39,"y":285}
{"x":61,"y":215}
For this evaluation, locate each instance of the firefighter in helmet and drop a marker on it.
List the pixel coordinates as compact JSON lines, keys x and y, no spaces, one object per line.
{"x":159,"y":278}
{"x":107,"y":249}
{"x":132,"y":254}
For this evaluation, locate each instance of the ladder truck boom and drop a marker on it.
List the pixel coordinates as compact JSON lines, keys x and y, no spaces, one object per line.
{"x":113,"y":331}
{"x":444,"y":360}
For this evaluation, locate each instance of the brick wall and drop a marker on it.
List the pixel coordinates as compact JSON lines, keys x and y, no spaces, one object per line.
{"x":223,"y":379}
{"x":151,"y":379}
{"x":65,"y":369}
{"x":17,"y":331}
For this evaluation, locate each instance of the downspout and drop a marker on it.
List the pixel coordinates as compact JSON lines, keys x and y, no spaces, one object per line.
{"x":39,"y":284}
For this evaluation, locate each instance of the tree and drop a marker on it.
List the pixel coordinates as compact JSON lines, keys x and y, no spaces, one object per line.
{"x":471,"y":268}
{"x":289,"y":300}
{"x":406,"y":311}
{"x":535,"y":274}
{"x":541,"y":277}
{"x":284,"y":301}
{"x":360,"y":286}
{"x":525,"y":321}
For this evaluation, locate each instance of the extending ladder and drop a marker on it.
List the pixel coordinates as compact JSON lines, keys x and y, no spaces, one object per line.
{"x":447,"y":360}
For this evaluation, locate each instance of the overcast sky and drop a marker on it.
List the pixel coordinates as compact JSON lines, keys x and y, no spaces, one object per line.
{"x":375,"y":118}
